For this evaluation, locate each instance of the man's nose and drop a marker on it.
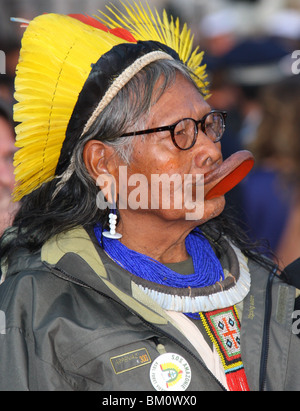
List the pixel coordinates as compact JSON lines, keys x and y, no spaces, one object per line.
{"x":207,"y":152}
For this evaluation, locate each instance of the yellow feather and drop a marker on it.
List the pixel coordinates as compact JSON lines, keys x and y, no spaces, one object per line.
{"x":55,"y":61}
{"x":145,"y":25}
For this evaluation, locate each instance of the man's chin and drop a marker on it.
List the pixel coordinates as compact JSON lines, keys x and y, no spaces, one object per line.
{"x":208,"y":210}
{"x":213,"y":207}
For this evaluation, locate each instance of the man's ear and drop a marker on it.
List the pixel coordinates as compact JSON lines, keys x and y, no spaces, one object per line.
{"x":97,"y":158}
{"x":100,"y":161}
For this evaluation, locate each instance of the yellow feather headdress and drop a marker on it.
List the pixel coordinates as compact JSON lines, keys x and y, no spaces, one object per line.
{"x":57,"y":56}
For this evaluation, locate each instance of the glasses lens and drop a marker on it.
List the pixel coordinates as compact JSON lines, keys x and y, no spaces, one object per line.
{"x":215,"y":126}
{"x":185,"y":133}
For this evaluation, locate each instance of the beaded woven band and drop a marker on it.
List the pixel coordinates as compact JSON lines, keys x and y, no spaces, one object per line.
{"x":122,"y":80}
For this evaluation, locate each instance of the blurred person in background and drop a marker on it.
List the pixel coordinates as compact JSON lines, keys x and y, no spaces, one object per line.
{"x":7,"y":180}
{"x":284,"y":26}
{"x":271,"y":193}
{"x":219,"y":32}
{"x":237,"y":80}
{"x":11,"y":49}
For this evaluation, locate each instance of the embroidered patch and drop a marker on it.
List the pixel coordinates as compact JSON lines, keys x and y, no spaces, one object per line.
{"x":223,"y":327}
{"x":170,"y":372}
{"x":130,"y":360}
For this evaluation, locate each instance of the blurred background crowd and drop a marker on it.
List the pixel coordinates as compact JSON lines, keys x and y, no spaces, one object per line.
{"x":253,"y":71}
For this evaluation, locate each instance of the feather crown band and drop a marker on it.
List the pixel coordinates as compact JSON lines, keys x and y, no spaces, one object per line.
{"x":62,"y":59}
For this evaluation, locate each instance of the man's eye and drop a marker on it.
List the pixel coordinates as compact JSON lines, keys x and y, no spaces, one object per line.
{"x":181,"y":131}
{"x":209,"y":124}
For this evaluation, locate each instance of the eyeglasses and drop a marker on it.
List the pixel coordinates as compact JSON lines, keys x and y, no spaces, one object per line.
{"x":184,"y":132}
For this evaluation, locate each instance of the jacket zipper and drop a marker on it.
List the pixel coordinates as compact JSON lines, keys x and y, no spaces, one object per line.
{"x":63,"y":275}
{"x":266,"y":331}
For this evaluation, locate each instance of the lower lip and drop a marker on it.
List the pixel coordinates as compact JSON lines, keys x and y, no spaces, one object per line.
{"x":230,"y":180}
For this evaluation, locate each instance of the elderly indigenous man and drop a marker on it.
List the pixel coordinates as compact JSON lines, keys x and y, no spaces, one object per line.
{"x":106,"y":285}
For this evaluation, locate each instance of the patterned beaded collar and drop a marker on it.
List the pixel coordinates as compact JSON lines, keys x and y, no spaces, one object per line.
{"x":232,"y":290}
{"x":223,"y":293}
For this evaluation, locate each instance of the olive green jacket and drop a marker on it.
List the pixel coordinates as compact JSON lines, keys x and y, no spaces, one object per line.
{"x":74,"y":320}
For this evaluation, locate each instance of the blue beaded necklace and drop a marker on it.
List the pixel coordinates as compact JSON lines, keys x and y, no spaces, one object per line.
{"x":207,"y":267}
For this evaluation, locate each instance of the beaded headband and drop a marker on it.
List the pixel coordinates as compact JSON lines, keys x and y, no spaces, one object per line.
{"x":70,"y":69}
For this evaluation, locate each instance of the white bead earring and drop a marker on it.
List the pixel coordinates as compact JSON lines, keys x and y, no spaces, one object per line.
{"x":112,"y":219}
{"x":112,"y":227}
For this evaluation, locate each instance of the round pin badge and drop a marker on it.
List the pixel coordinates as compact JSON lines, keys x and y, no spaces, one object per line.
{"x":170,"y":372}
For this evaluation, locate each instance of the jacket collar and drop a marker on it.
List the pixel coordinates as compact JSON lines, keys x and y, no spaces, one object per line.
{"x":76,"y":241}
{"x":76,"y":257}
